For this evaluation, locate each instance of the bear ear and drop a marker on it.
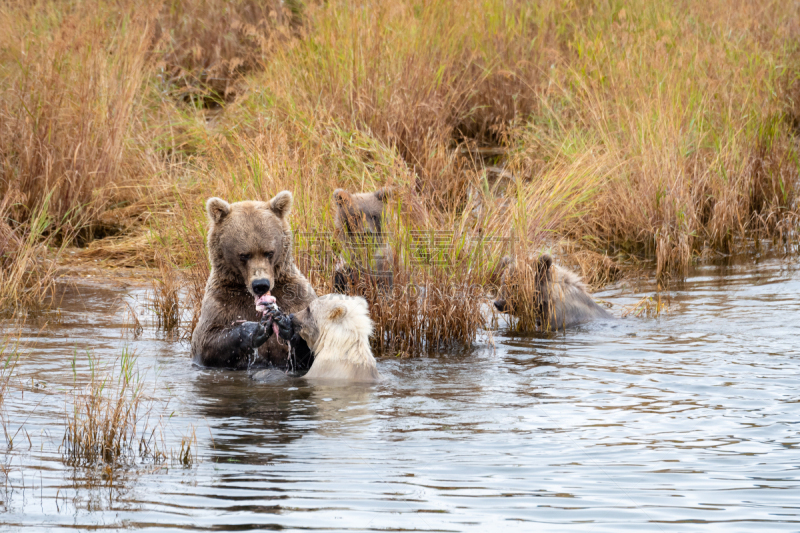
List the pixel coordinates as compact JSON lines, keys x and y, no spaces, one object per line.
{"x":217,"y":209}
{"x":337,"y":312}
{"x":544,"y":263}
{"x":281,"y":205}
{"x":341,"y":197}
{"x":385,"y":194}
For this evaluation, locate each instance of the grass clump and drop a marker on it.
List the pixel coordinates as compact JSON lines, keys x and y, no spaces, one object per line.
{"x":108,"y":422}
{"x":165,"y":301}
{"x":27,"y":270}
{"x":431,"y":304}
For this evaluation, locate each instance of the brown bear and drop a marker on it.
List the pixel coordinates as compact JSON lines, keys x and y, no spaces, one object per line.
{"x":558,"y":299}
{"x":359,"y":229}
{"x":250,"y":249}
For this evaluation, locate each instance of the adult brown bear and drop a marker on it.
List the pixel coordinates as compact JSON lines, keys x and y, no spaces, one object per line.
{"x":250,"y":248}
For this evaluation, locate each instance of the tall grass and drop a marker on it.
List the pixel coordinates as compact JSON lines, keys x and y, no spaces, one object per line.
{"x":688,"y":101}
{"x":650,"y":130}
{"x":27,"y":271}
{"x":669,"y":123}
{"x":72,"y":80}
{"x":653,"y":130}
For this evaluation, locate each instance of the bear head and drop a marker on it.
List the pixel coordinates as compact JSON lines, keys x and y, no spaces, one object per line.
{"x":360,"y":215}
{"x":334,"y":323}
{"x":523,"y":284}
{"x":250,"y":243}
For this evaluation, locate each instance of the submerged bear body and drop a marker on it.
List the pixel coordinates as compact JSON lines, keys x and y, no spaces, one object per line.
{"x":559,"y":299}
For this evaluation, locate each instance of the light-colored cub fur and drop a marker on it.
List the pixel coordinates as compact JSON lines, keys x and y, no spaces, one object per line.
{"x":337,"y":329}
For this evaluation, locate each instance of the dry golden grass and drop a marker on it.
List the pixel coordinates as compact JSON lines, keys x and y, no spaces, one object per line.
{"x":27,"y":273}
{"x":73,"y":77}
{"x":425,"y":312}
{"x":165,"y":300}
{"x":206,"y":47}
{"x":655,"y":131}
{"x":687,"y":100}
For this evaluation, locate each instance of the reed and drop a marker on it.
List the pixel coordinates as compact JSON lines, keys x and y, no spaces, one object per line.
{"x":107,"y":421}
{"x":27,"y":268}
{"x":165,"y":300}
{"x":9,"y":356}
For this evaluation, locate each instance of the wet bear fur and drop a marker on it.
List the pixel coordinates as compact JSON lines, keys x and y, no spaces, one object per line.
{"x":337,"y":329}
{"x":250,"y":248}
{"x":559,"y":298}
{"x":365,"y":257}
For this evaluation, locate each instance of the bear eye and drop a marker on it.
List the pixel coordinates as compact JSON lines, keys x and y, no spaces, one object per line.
{"x":244,"y":258}
{"x":269,"y":255}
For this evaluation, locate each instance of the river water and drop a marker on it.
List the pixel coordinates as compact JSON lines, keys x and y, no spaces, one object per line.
{"x":686,"y":422}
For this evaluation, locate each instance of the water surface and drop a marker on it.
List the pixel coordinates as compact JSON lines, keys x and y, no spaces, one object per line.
{"x":687,"y":422}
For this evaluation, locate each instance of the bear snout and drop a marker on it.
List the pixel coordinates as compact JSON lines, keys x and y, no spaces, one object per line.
{"x":500,"y":305}
{"x":260,"y":286}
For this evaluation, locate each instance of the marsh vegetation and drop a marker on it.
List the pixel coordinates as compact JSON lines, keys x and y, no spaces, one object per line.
{"x":638,"y":133}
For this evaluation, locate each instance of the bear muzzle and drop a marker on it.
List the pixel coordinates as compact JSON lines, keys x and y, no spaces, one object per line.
{"x":260,"y":286}
{"x":501,"y":305}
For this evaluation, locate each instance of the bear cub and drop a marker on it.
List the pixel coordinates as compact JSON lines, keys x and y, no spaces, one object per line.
{"x":337,"y":329}
{"x":559,"y":300}
{"x":359,"y":229}
{"x":250,"y":250}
